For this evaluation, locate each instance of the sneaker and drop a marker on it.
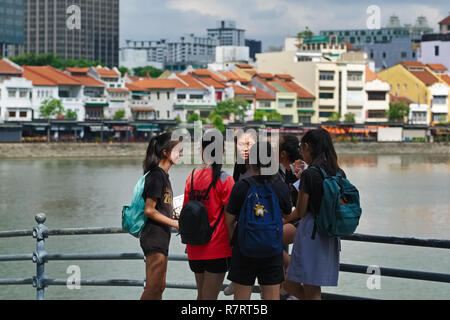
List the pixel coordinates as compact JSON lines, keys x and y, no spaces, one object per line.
{"x":229,"y":291}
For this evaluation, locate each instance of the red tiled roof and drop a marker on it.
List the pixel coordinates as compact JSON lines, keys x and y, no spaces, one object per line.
{"x":106,"y":72}
{"x":400,"y":99}
{"x":446,"y":20}
{"x":78,"y":70}
{"x":436,"y":67}
{"x":446,"y":78}
{"x":425,"y":76}
{"x":233,"y":76}
{"x":294,"y":87}
{"x":244,"y":66}
{"x":8,"y":68}
{"x":412,"y":64}
{"x":49,"y":76}
{"x":89,"y":81}
{"x":284,"y":76}
{"x":143,"y":85}
{"x":191,"y":82}
{"x":265,"y":75}
{"x":370,"y":75}
{"x":213,"y":83}
{"x":349,"y":46}
{"x":262,"y":95}
{"x":238,"y":90}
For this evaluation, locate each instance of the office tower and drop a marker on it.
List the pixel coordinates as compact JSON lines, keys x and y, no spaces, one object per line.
{"x":75,"y":29}
{"x":227,"y":33}
{"x":11,"y":25}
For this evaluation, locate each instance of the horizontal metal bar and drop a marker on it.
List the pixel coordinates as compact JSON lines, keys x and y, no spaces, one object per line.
{"x":16,"y":233}
{"x":94,"y":256}
{"x":430,"y":243}
{"x":16,"y":282}
{"x":83,"y":231}
{"x":398,"y":273}
{"x":16,"y":257}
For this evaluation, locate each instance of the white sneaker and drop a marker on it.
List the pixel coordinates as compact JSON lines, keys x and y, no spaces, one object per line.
{"x":229,"y":291}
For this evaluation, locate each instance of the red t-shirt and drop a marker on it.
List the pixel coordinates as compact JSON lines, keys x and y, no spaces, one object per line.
{"x":219,"y":246}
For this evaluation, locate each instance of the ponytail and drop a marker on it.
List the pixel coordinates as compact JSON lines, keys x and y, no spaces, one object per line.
{"x":155,"y":150}
{"x":216,"y":167}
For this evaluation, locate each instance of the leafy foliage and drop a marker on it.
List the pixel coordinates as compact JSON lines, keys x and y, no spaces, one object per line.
{"x":397,"y":111}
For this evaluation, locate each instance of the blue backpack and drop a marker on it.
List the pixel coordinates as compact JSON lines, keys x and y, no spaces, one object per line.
{"x":260,"y":225}
{"x":133,"y":217}
{"x":340,"y":208}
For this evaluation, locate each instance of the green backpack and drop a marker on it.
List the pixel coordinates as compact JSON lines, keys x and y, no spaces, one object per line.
{"x":133,"y":217}
{"x":340,"y":208}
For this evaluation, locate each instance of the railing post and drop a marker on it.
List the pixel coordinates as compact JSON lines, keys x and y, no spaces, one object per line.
{"x":40,"y":256}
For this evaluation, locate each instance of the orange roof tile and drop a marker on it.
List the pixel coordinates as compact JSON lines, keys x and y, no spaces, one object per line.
{"x":267,"y":76}
{"x":191,"y":82}
{"x":36,"y":78}
{"x":370,"y":75}
{"x":88,"y":81}
{"x":213,"y":83}
{"x":238,"y":90}
{"x":156,"y":84}
{"x":446,"y":20}
{"x":425,"y":76}
{"x":244,"y":66}
{"x":412,"y":64}
{"x":436,"y":67}
{"x":262,"y":95}
{"x":251,"y":72}
{"x":302,"y":93}
{"x":400,"y":99}
{"x":446,"y":78}
{"x":106,"y":72}
{"x":284,"y":76}
{"x":8,"y":68}
{"x":78,"y":70}
{"x":54,"y":75}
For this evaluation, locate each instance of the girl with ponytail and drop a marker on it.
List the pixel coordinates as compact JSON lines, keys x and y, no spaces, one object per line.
{"x":162,"y":154}
{"x":210,"y":262}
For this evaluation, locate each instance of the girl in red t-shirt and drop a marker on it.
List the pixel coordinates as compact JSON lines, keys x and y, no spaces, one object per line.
{"x":211,"y":261}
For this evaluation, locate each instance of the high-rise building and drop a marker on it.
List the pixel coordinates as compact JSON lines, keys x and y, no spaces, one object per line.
{"x":75,"y":29}
{"x":227,"y":33}
{"x":255,"y":47}
{"x":11,"y":25}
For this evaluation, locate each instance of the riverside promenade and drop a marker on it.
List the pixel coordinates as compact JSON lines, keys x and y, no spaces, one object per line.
{"x":137,"y":150}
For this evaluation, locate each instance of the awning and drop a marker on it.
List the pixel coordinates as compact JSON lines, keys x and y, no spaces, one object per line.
{"x":122,"y":128}
{"x":99,"y":129}
{"x":147,"y":128}
{"x":306,"y":111}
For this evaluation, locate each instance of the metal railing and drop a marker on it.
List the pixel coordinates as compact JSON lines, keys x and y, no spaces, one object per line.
{"x":40,"y":257}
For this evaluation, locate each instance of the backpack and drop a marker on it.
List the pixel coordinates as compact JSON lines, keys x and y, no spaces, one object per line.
{"x":340,"y":208}
{"x":260,"y":225}
{"x":133,"y":217}
{"x":194,"y":222}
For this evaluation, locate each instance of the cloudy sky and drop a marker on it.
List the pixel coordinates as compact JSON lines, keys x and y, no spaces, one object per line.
{"x":267,"y":20}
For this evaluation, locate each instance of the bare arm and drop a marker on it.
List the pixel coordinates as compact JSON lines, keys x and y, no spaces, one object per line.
{"x":155,"y":215}
{"x":301,"y":207}
{"x":230,"y":221}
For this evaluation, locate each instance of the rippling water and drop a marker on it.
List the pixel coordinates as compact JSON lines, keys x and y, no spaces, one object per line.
{"x":401,"y":195}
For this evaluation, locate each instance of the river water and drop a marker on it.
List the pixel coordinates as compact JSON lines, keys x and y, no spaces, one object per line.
{"x":405,"y":195}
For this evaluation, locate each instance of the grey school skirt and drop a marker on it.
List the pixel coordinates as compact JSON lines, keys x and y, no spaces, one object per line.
{"x":314,"y":262}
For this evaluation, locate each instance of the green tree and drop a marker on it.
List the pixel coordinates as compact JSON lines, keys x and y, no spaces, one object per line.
{"x":305,"y":33}
{"x":274,"y":116}
{"x":335,"y":117}
{"x":398,"y":111}
{"x":236,"y":106}
{"x":120,"y":114}
{"x":142,"y":72}
{"x":349,"y":117}
{"x":260,"y":115}
{"x":44,"y":59}
{"x":70,"y":115}
{"x":51,"y":107}
{"x":217,"y":122}
{"x":123,"y":70}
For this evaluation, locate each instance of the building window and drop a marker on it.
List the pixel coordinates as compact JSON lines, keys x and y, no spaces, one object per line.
{"x":436,"y":51}
{"x":376,"y":114}
{"x":157,"y":97}
{"x":384,"y":55}
{"x":168,"y":114}
{"x":197,"y":96}
{"x":404,"y":54}
{"x":376,"y":95}
{"x":326,"y":75}
{"x":354,"y":76}
{"x":168,"y":95}
{"x":285,"y":103}
{"x":326,"y":95}
{"x":11,"y":93}
{"x":305,"y":104}
{"x":181,"y":96}
{"x":12,"y":114}
{"x":23,"y":114}
{"x":440,"y":100}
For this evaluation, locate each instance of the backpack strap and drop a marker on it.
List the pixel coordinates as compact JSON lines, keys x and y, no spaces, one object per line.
{"x":192,"y":194}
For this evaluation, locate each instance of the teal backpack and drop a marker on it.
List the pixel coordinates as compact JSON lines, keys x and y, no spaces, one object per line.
{"x":133,"y":217}
{"x":340,"y":208}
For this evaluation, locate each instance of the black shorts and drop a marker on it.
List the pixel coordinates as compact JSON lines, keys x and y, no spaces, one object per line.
{"x":244,"y":270}
{"x":211,"y":266}
{"x":155,"y":237}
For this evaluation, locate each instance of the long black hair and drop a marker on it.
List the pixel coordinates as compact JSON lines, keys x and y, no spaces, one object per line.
{"x":216,"y":167}
{"x":322,"y":150}
{"x":290,"y":144}
{"x":155,"y":150}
